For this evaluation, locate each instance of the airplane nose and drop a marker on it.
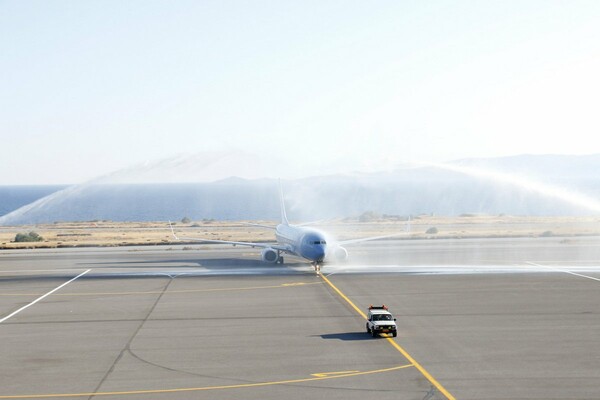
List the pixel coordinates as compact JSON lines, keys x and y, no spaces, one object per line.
{"x":320,"y":253}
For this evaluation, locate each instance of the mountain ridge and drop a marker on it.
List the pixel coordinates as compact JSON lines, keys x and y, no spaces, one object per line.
{"x":538,"y":185}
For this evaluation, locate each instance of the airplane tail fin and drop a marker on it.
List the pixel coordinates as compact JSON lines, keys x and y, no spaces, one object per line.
{"x":284,"y":219}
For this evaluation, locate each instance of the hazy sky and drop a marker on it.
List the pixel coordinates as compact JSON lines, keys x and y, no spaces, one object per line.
{"x":88,"y":87}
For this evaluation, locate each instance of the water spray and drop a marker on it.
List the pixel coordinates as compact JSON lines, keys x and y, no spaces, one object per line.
{"x":557,"y":192}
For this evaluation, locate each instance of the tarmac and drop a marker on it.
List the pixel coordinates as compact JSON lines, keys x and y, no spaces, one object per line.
{"x":478,"y":319}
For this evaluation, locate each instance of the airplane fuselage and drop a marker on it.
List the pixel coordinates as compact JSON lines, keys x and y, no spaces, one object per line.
{"x":301,"y":241}
{"x":307,"y":243}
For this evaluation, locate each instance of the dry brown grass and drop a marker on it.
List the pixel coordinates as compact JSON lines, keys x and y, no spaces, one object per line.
{"x":69,"y":234}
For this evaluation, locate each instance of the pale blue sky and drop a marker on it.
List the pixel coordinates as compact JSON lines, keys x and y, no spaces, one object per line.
{"x":88,"y":87}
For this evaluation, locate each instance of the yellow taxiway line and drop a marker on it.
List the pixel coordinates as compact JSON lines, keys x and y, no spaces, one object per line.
{"x":231,"y":289}
{"x":413,"y":362}
{"x":332,"y":375}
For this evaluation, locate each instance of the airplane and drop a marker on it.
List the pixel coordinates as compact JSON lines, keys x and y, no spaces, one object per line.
{"x":298,"y":240}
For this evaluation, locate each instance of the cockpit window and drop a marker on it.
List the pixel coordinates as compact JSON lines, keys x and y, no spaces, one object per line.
{"x":318,"y":242}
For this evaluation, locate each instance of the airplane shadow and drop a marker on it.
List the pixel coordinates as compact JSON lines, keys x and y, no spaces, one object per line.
{"x":198,"y":262}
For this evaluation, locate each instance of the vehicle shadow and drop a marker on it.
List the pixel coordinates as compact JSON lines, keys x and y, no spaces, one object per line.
{"x":347,"y":336}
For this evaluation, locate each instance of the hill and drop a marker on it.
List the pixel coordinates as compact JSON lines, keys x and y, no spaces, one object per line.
{"x":549,"y":185}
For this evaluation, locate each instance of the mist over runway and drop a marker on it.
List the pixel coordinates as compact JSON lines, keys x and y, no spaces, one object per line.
{"x":510,"y":318}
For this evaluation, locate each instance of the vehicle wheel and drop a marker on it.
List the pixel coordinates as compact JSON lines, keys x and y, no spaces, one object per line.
{"x":395,"y":334}
{"x":373,"y":333}
{"x":368,"y":330}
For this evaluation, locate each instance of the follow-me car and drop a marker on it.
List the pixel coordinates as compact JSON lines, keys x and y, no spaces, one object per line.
{"x":380,"y":320}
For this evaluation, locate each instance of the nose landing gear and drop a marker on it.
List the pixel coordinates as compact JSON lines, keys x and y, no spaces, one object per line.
{"x":317,"y":266}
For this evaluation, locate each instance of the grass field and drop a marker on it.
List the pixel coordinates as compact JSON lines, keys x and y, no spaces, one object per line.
{"x":107,"y":233}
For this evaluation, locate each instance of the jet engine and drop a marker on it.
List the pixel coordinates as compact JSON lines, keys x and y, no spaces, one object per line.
{"x":339,"y":254}
{"x":269,"y":255}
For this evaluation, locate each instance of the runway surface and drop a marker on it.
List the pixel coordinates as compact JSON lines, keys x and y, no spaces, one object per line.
{"x":478,"y":319}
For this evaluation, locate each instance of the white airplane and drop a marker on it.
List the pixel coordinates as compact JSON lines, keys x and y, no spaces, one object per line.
{"x":297,"y":240}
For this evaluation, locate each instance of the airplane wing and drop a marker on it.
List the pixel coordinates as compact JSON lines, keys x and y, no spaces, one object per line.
{"x":249,"y":244}
{"x":258,"y":225}
{"x":352,"y":241}
{"x":234,"y":243}
{"x":311,"y":223}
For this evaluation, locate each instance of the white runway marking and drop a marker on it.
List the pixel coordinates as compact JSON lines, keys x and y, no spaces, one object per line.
{"x":36,"y":270}
{"x":431,"y":269}
{"x":563,"y":270}
{"x":42,"y":297}
{"x":525,"y":267}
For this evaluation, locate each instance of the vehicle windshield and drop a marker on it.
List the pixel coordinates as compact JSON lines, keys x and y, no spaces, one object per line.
{"x":382,"y":317}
